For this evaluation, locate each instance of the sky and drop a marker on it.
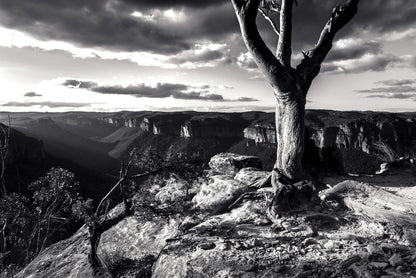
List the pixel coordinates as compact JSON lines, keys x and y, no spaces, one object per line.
{"x":112,"y":55}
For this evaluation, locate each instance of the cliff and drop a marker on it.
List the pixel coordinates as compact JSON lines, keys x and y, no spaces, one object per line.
{"x":240,"y":240}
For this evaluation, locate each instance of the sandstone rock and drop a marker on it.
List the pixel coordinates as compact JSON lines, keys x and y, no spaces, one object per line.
{"x":251,"y":175}
{"x":396,"y":260}
{"x":379,"y":265}
{"x":175,"y":189}
{"x":349,"y":261}
{"x":219,"y":194}
{"x":373,"y":249}
{"x":132,"y":238}
{"x":207,"y":245}
{"x":230,"y":163}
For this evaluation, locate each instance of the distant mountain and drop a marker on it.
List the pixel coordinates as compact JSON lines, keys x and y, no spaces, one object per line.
{"x":27,"y":160}
{"x":70,"y":140}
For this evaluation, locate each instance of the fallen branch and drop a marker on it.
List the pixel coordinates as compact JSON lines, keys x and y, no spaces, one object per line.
{"x":376,"y":194}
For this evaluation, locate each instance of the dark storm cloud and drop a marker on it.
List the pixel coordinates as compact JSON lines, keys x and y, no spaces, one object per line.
{"x":93,"y":23}
{"x":161,"y":90}
{"x":175,"y":3}
{"x":49,"y":104}
{"x":109,"y":24}
{"x":32,"y":94}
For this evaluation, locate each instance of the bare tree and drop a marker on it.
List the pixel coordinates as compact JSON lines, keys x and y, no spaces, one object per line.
{"x":4,"y":151}
{"x":290,"y":85}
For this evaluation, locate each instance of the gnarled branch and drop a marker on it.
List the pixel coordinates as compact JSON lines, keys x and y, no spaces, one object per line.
{"x":274,"y":71}
{"x":310,"y":66}
{"x":284,"y":46}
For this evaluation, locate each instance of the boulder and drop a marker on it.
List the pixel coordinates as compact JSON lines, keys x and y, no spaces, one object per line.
{"x":219,"y":194}
{"x":133,"y":238}
{"x":175,"y":189}
{"x":251,"y":175}
{"x":230,"y":163}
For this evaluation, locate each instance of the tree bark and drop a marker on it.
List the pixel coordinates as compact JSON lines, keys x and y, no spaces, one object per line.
{"x":290,"y":132}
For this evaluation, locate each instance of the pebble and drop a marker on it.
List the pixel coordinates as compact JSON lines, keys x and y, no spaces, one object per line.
{"x":374,"y":249}
{"x":396,"y":260}
{"x":207,"y":245}
{"x":350,"y":260}
{"x":309,"y":241}
{"x":379,"y":265}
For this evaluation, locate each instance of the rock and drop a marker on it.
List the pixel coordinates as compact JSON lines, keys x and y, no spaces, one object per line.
{"x":304,"y":274}
{"x":396,"y":260}
{"x":251,"y":175}
{"x":373,"y":249}
{"x":219,"y":194}
{"x":175,"y":189}
{"x":189,"y":222}
{"x":309,"y":241}
{"x":230,"y":163}
{"x":133,"y":238}
{"x":378,"y":265}
{"x":349,"y":261}
{"x":401,"y":269}
{"x":360,"y":271}
{"x":207,"y":245}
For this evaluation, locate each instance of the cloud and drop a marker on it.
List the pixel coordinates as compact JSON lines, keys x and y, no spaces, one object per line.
{"x":396,"y":82}
{"x":392,"y":89}
{"x":246,"y":61}
{"x":394,"y":96}
{"x":368,"y":62}
{"x":158,"y":27}
{"x":32,"y":94}
{"x":160,"y":90}
{"x":48,"y":104}
{"x":352,"y":48}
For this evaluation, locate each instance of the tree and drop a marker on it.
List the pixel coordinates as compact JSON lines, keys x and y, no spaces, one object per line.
{"x":290,"y":85}
{"x":16,"y":215}
{"x":54,"y":195}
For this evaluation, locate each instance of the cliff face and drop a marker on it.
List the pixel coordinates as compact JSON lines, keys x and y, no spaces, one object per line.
{"x":203,"y":127}
{"x":261,"y":133}
{"x":362,"y":134}
{"x":25,"y":159}
{"x":358,"y":134}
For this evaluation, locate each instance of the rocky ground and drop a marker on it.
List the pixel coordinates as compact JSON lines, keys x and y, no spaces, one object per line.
{"x":224,"y":238}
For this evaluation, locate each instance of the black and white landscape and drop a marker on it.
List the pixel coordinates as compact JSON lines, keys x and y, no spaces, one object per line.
{"x":226,"y":138}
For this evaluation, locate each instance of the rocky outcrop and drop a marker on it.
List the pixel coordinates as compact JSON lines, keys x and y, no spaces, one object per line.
{"x":175,"y":189}
{"x":133,"y":238}
{"x":230,"y":163}
{"x":219,"y":193}
{"x":251,"y":175}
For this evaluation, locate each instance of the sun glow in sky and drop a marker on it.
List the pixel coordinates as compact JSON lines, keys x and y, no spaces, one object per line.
{"x":110,"y":55}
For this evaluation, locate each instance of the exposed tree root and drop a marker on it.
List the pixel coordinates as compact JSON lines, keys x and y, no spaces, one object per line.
{"x":381,"y":215}
{"x":376,"y":195}
{"x":377,"y":204}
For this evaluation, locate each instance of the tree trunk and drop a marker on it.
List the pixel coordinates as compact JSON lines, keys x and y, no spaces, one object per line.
{"x":290,"y":133}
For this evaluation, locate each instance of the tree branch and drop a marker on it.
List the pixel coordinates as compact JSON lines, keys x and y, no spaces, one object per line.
{"x":310,"y":66}
{"x":274,"y":71}
{"x":268,"y":18}
{"x":284,"y":46}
